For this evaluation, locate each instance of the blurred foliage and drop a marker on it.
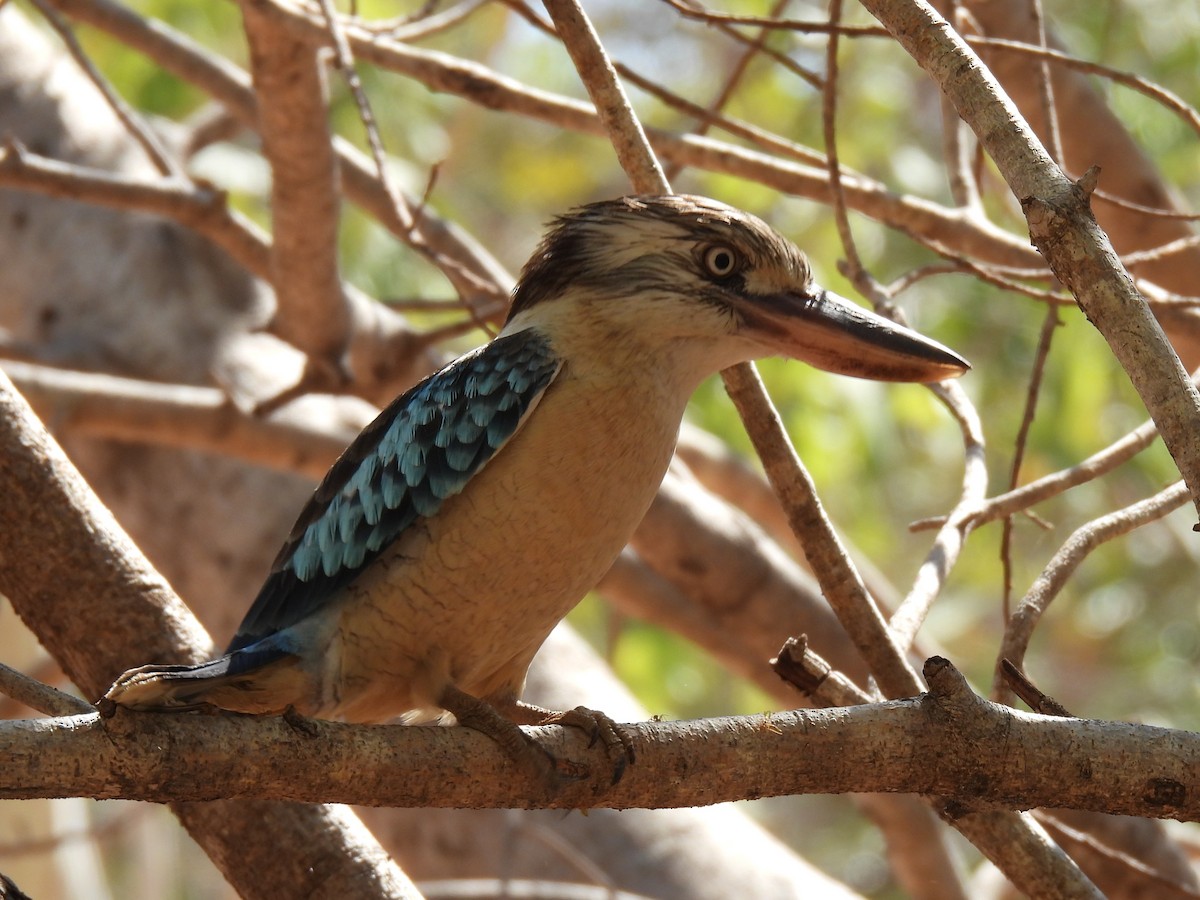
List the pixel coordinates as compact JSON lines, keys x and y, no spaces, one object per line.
{"x":1122,"y":641}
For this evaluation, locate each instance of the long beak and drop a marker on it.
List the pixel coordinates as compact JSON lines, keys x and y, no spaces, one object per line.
{"x":831,"y":333}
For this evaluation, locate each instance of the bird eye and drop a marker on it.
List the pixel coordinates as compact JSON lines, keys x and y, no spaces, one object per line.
{"x":720,"y":260}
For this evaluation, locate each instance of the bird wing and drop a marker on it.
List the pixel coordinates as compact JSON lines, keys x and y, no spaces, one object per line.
{"x":423,"y":448}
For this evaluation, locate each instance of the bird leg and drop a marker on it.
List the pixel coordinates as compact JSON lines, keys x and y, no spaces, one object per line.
{"x":481,"y":716}
{"x":597,"y":725}
{"x":502,"y":723}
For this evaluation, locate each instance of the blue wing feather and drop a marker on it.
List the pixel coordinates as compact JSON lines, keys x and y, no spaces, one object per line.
{"x":423,"y":448}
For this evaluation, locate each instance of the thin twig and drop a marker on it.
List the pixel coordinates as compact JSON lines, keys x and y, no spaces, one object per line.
{"x":985,"y":273}
{"x":42,"y":697}
{"x":832,"y":27}
{"x":465,"y":280}
{"x":1046,"y":86}
{"x":1166,"y":98}
{"x":1156,"y":92}
{"x":931,"y":576}
{"x":1063,"y":564}
{"x":145,"y":137}
{"x":344,"y":60}
{"x":988,"y":274}
{"x":829,"y":129}
{"x":1021,"y":499}
{"x":948,"y":543}
{"x":732,"y":80}
{"x":1141,"y":209}
{"x":1155,"y":254}
{"x":785,"y":62}
{"x":1049,"y":324}
{"x":752,"y":134}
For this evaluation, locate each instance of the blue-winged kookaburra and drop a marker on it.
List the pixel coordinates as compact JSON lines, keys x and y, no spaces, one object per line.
{"x":483,"y":503}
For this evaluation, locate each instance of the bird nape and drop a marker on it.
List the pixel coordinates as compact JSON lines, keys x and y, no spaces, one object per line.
{"x":483,"y":503}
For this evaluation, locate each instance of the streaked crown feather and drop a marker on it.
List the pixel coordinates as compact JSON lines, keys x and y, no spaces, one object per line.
{"x":636,"y":243}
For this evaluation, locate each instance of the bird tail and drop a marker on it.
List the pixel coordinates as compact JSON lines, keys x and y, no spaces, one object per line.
{"x":167,"y":687}
{"x":244,"y":681}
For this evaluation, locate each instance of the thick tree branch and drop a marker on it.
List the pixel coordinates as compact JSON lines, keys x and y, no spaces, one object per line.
{"x":203,"y":209}
{"x":1001,"y":758}
{"x":174,"y":415}
{"x":289,"y":82}
{"x":839,"y":580}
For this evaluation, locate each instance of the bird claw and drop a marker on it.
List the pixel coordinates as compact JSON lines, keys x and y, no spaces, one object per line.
{"x":524,"y":750}
{"x":600,"y":728}
{"x":300,"y":723}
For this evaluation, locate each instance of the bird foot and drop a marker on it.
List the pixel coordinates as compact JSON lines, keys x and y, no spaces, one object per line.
{"x":598,"y":726}
{"x":300,"y":723}
{"x":504,"y":729}
{"x":479,"y":715}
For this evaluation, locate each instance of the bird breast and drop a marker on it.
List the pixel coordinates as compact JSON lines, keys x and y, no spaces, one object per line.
{"x":468,"y":595}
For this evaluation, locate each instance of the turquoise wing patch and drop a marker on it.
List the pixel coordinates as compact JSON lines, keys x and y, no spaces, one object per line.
{"x":423,"y":448}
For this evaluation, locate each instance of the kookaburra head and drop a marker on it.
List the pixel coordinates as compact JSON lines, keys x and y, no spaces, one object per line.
{"x":689,"y":275}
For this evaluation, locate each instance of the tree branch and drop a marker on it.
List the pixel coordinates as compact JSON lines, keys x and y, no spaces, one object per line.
{"x":201,"y":208}
{"x":69,"y":569}
{"x":1081,"y":763}
{"x":478,"y":84}
{"x":290,"y":86}
{"x":174,"y":415}
{"x":1074,"y":551}
{"x":1061,"y":225}
{"x":948,"y":544}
